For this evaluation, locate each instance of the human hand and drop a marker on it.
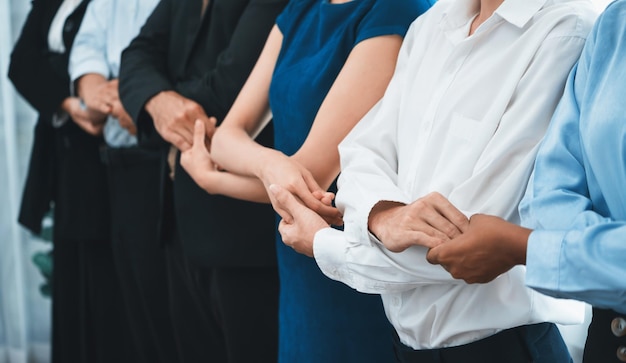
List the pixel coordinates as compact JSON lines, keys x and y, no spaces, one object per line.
{"x":489,"y":247}
{"x":174,"y":117}
{"x":428,"y":221}
{"x":99,"y":96}
{"x":92,"y":122}
{"x":291,"y":175}
{"x":299,"y":223}
{"x":197,"y":159}
{"x":124,"y":119}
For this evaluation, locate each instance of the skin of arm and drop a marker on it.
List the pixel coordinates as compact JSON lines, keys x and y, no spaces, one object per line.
{"x":309,"y":172}
{"x":489,"y":247}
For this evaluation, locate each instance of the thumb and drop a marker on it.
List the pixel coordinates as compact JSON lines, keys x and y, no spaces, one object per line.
{"x":433,"y":256}
{"x":286,"y":202}
{"x":198,"y":134}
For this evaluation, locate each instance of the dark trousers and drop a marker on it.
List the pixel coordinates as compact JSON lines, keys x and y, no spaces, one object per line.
{"x":538,"y":343}
{"x":88,"y":322}
{"x":134,"y":183}
{"x":602,"y":344}
{"x":223,"y":314}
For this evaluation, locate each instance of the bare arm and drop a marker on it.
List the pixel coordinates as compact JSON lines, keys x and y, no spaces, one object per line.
{"x":360,"y":84}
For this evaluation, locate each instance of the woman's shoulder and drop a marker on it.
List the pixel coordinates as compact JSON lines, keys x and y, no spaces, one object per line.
{"x":392,"y":16}
{"x":395,"y":7}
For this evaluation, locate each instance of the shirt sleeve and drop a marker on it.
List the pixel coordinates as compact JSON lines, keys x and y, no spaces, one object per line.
{"x":369,"y":160}
{"x":391,"y":17}
{"x":143,"y":67}
{"x":575,"y":252}
{"x":89,"y":52}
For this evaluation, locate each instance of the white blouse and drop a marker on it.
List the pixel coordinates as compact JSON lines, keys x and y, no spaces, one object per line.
{"x":55,"y":33}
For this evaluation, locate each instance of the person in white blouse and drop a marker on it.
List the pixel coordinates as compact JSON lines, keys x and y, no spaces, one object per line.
{"x":475,"y":86}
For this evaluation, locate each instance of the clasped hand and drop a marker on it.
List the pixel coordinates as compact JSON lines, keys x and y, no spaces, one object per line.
{"x":174,"y":117}
{"x":489,"y":247}
{"x":100,"y":101}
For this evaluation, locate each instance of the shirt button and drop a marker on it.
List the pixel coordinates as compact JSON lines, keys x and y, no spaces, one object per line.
{"x":621,"y":354}
{"x":395,"y":301}
{"x":618,"y":327}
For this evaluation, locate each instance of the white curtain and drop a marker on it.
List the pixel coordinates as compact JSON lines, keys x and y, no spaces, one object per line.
{"x":24,"y":311}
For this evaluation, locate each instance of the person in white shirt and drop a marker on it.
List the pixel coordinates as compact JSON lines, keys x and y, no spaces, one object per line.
{"x":474,"y":89}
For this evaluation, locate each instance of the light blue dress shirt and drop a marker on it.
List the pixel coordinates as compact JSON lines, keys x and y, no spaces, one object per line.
{"x":576,"y":199}
{"x":107,"y":28}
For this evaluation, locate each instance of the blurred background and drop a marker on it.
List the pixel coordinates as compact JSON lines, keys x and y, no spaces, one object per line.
{"x":24,"y":258}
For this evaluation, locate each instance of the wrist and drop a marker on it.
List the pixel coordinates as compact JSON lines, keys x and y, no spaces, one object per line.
{"x":267,"y":159}
{"x":516,"y":241}
{"x":381,"y":211}
{"x":152,"y":105}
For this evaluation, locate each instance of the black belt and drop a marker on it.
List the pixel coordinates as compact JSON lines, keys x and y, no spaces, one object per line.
{"x":508,"y":346}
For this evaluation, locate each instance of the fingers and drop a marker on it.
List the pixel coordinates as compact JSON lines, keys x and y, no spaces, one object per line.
{"x":286,"y":203}
{"x":433,"y":255}
{"x":199,"y":134}
{"x":451,"y":213}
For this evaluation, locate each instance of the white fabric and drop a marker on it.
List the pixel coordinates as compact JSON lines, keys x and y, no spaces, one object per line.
{"x":24,"y":312}
{"x":55,"y":34}
{"x":463,"y":117}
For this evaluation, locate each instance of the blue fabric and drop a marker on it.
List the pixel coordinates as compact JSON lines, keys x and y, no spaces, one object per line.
{"x":576,"y":200}
{"x":322,"y":320}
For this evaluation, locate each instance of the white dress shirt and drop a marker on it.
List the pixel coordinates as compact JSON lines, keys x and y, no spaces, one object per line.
{"x":462,"y":116}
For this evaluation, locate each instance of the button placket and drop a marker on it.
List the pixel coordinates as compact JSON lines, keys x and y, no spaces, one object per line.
{"x":618,"y":327}
{"x":621,"y":354}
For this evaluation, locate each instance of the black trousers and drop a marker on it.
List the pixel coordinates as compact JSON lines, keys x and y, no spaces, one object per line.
{"x":134,"y":177}
{"x":88,"y":321}
{"x":538,"y":343}
{"x":223,"y":314}
{"x":602,"y":344}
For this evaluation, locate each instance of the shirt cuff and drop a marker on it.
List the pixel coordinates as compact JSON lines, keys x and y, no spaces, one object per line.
{"x":329,"y":249}
{"x":543,"y":258}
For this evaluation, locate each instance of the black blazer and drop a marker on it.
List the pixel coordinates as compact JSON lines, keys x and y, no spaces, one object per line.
{"x":64,"y":166}
{"x":208,"y":61}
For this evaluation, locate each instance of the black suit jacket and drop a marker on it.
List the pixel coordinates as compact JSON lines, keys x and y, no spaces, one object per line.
{"x":207,"y":60}
{"x":64,"y":166}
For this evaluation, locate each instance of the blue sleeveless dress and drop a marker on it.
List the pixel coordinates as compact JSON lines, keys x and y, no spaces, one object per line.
{"x":321,"y":320}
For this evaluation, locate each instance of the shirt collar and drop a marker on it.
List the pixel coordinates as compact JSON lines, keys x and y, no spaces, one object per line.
{"x":516,"y":12}
{"x":519,"y":12}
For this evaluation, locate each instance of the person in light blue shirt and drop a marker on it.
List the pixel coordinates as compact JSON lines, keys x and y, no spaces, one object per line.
{"x":95,"y":61}
{"x":573,"y":239}
{"x":108,"y":27}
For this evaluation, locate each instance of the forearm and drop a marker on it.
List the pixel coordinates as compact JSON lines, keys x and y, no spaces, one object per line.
{"x":248,"y":158}
{"x":369,"y":267}
{"x":143,"y":67}
{"x":234,"y":186}
{"x":584,"y":264}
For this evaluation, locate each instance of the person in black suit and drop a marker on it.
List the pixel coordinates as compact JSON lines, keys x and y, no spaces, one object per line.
{"x":65,"y":172}
{"x":189,"y":62}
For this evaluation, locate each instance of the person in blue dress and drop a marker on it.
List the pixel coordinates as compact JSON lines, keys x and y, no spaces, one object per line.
{"x":573,"y":216}
{"x":325,"y":64}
